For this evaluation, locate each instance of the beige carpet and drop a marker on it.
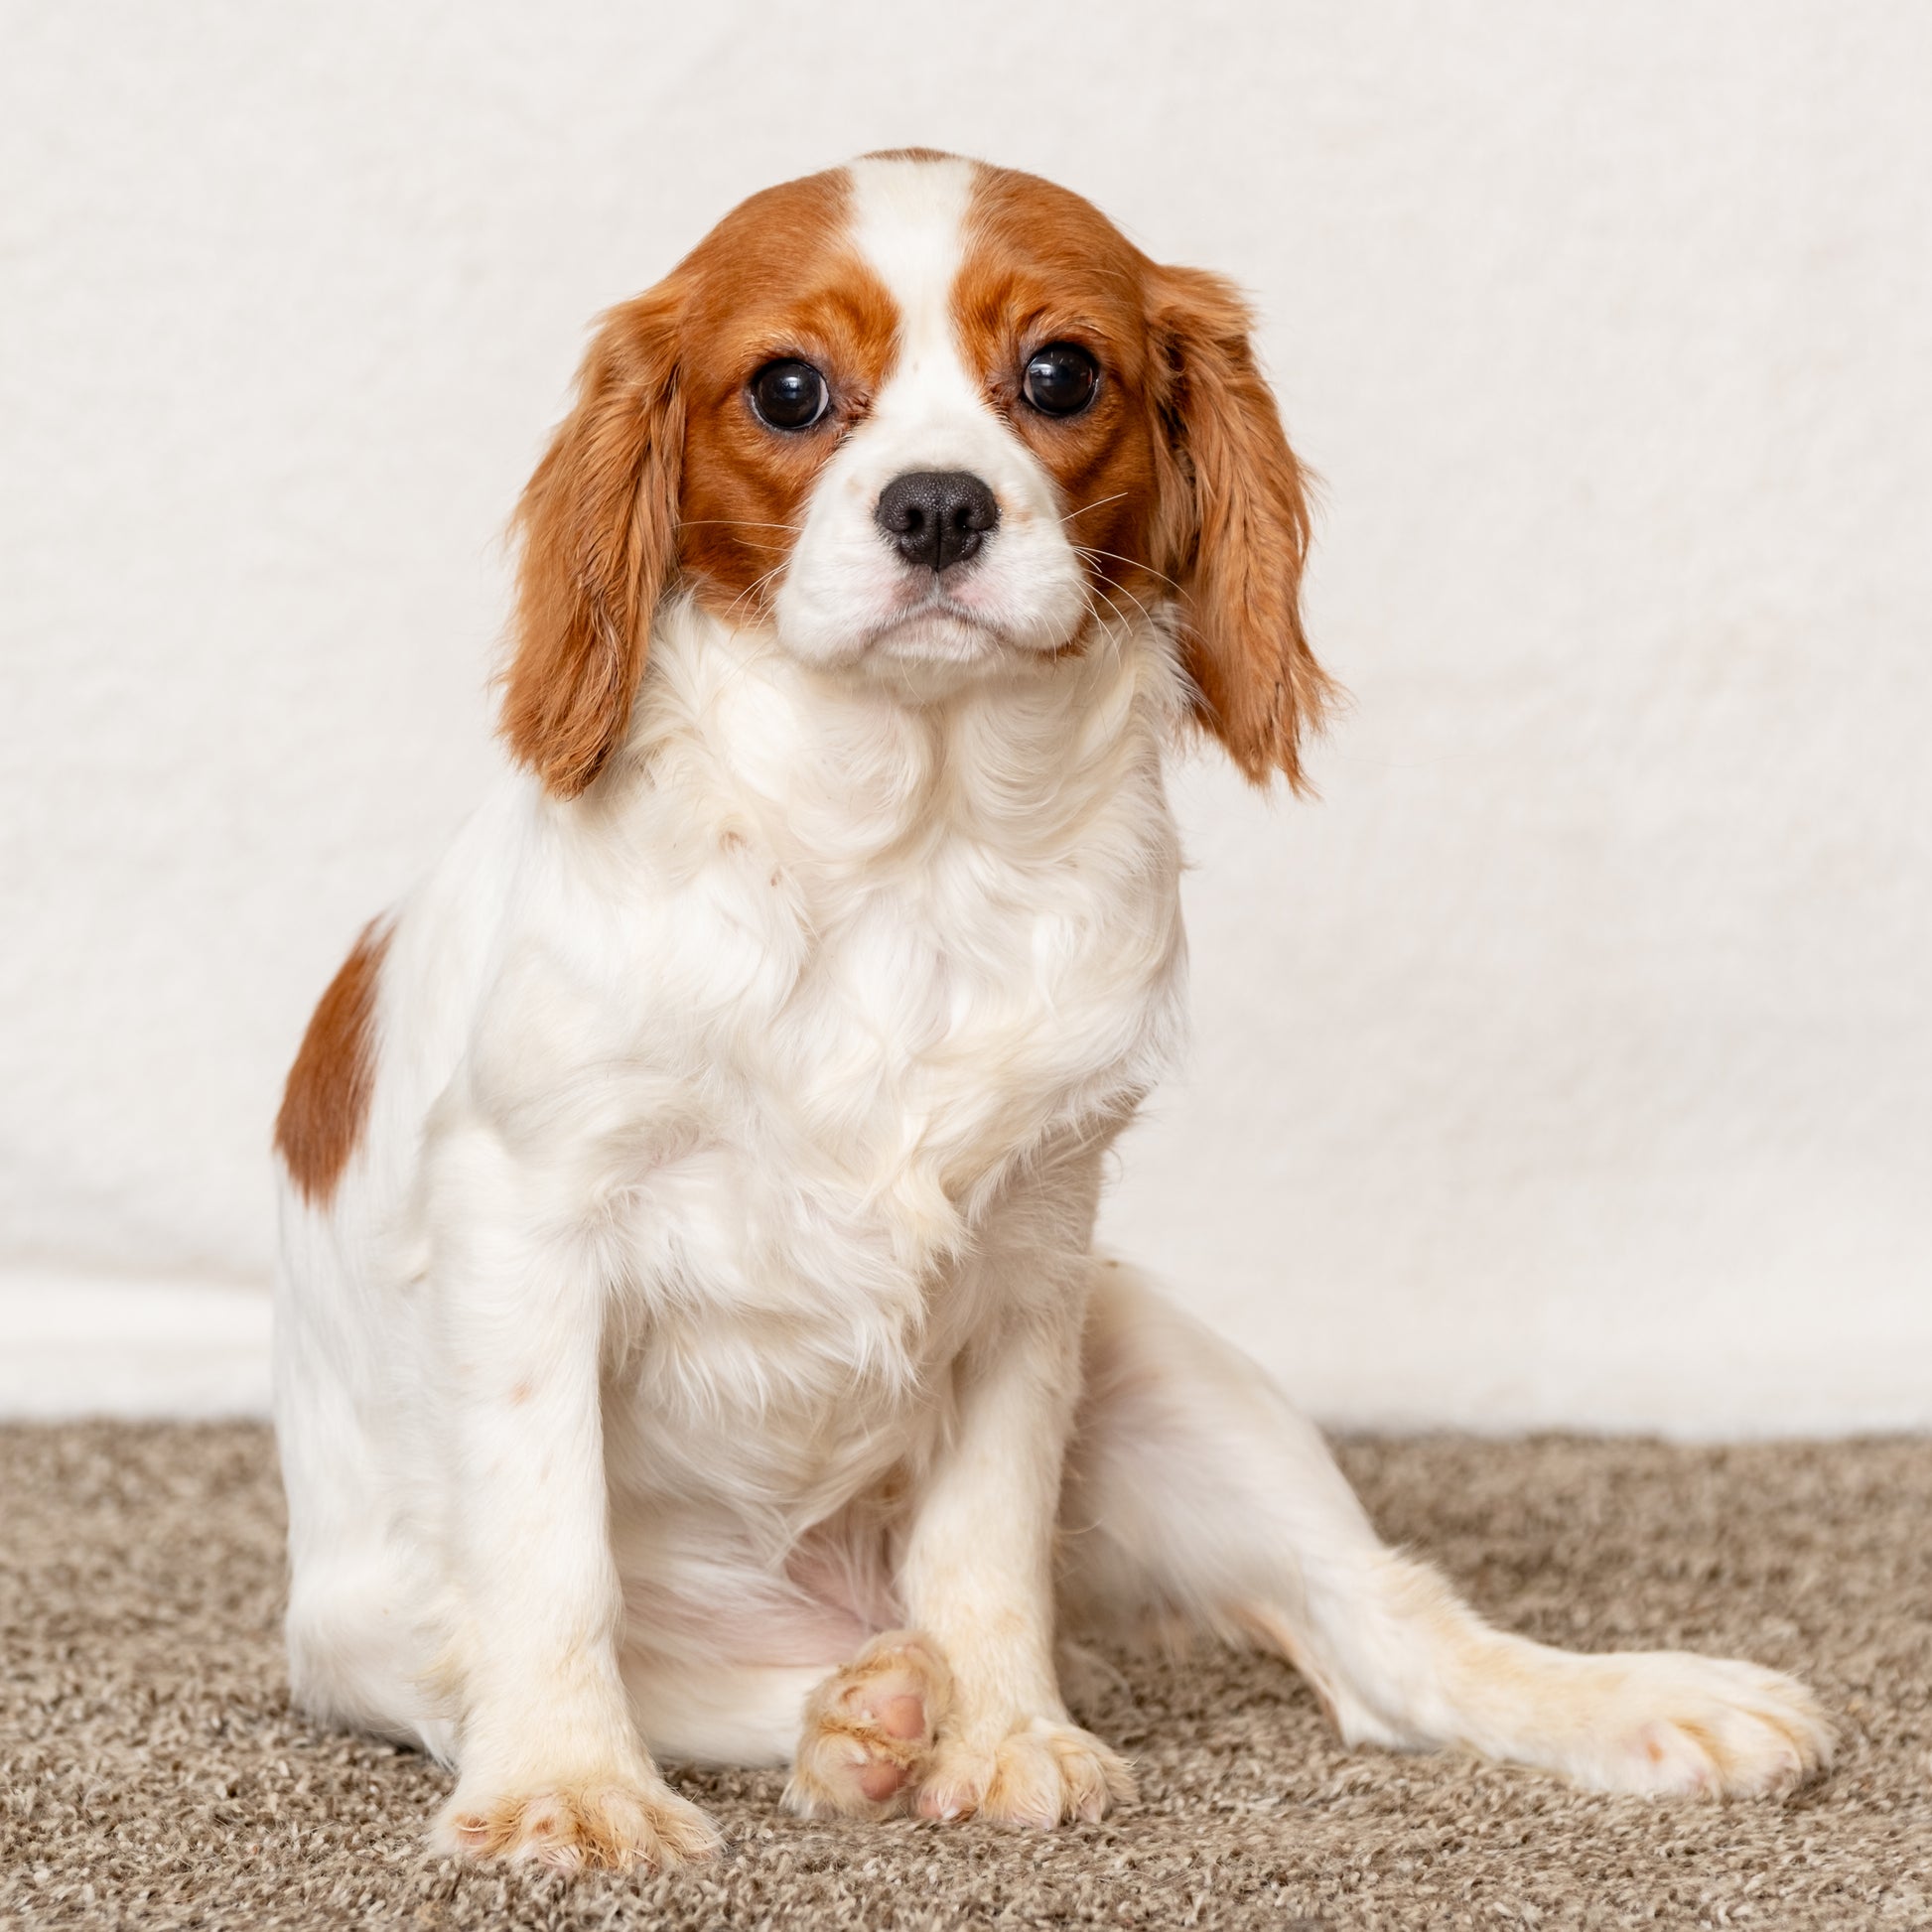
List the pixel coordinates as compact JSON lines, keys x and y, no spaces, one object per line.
{"x":152,"y":1773}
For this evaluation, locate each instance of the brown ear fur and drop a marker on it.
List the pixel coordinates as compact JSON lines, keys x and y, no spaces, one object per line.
{"x":1234,"y":516}
{"x":597,"y":523}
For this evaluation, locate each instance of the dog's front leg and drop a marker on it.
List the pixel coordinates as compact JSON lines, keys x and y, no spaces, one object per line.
{"x":550,"y":1765}
{"x":978,"y":1571}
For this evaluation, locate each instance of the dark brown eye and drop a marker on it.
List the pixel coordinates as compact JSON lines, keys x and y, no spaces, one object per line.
{"x":788,"y":394}
{"x":1060,"y":379}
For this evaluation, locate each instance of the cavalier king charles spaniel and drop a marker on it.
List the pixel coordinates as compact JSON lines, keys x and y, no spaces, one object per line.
{"x":690,"y":1340}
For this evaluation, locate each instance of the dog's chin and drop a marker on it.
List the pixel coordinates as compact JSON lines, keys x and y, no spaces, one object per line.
{"x":940,"y":639}
{"x":929,"y":649}
{"x":930,"y":652}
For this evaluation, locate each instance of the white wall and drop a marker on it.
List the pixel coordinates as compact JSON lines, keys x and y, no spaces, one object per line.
{"x":1570,"y":1062}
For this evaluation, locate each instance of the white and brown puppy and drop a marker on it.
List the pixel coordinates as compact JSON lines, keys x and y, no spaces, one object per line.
{"x":690,"y":1340}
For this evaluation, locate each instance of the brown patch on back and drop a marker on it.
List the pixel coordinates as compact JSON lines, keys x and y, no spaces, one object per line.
{"x":327,"y":1099}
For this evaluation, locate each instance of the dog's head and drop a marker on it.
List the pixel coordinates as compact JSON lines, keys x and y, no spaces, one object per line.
{"x":921,"y":417}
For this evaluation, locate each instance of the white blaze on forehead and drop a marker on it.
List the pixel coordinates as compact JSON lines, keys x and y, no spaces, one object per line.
{"x":847,"y":591}
{"x":909,"y":221}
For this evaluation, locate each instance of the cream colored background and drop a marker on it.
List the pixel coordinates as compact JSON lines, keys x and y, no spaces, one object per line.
{"x":1570,"y":1062}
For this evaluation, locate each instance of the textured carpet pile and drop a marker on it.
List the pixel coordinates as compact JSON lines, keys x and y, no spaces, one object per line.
{"x":152,"y":1774}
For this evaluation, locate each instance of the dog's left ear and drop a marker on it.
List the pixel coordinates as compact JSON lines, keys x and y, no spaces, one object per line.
{"x":598,"y":524}
{"x":1232,"y":527}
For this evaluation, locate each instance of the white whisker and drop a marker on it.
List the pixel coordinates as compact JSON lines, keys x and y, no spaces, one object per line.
{"x":1087,"y":550}
{"x":1094,"y":505}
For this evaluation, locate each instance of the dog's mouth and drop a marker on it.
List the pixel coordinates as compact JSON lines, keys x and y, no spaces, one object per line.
{"x":939,"y":626}
{"x":935,"y":628}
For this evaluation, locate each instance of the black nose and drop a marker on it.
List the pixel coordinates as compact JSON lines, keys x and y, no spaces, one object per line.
{"x":935,"y":517}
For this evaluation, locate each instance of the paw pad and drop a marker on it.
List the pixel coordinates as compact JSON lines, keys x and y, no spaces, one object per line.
{"x":870,"y":1728}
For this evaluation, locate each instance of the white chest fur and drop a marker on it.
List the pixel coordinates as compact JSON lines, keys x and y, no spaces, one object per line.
{"x":841,"y":969}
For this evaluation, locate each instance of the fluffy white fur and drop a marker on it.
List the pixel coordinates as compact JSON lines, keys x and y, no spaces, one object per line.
{"x":712,"y":1293}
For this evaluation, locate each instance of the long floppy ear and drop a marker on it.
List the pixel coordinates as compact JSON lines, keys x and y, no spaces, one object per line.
{"x":1233,"y":528}
{"x":598,"y":524}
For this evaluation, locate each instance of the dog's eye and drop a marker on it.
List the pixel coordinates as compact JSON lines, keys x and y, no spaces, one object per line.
{"x":788,"y":394}
{"x":1060,"y":379}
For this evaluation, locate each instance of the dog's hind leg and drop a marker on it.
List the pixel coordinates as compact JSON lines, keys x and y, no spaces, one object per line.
{"x":360,"y":1629}
{"x":1194,"y":1489}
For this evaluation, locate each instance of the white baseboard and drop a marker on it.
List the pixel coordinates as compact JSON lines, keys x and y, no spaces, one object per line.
{"x":91,"y":1346}
{"x":96,"y":1345}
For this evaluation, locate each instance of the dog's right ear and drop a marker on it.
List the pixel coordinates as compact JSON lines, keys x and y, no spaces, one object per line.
{"x":598,"y":529}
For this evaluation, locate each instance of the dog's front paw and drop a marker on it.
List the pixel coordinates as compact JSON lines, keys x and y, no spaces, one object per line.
{"x":869,"y":1730}
{"x":1043,"y":1773}
{"x":1669,"y":1724}
{"x":595,"y":1824}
